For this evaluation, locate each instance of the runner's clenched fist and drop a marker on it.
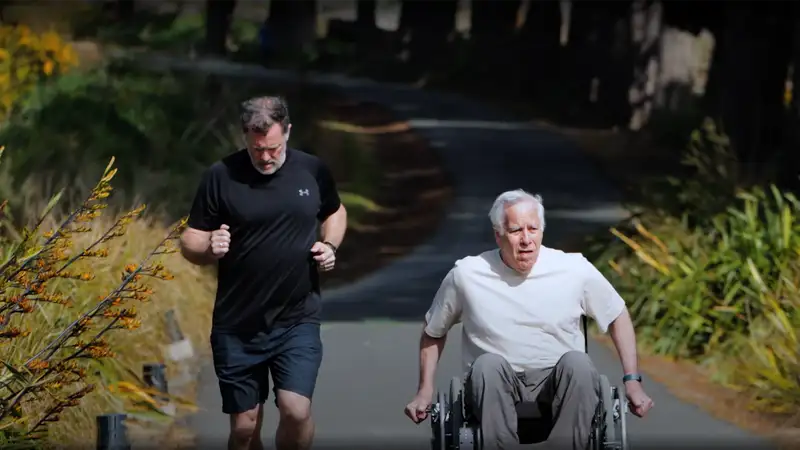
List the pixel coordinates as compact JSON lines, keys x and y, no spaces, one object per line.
{"x":220,"y":241}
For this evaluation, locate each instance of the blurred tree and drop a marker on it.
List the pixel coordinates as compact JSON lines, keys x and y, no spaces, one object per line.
{"x":125,"y":10}
{"x":646,"y":26}
{"x":597,"y":62}
{"x":540,"y":50}
{"x":493,"y":20}
{"x":685,"y":52}
{"x":748,"y":74}
{"x":494,"y":44}
{"x":366,"y":25}
{"x":795,"y":93}
{"x":428,"y":25}
{"x":293,"y":25}
{"x":365,"y":14}
{"x":219,"y":14}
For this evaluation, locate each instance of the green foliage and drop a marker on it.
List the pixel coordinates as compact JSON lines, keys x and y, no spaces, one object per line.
{"x":164,"y":130}
{"x":178,"y":31}
{"x":710,"y":183}
{"x":720,"y":282}
{"x":27,"y":58}
{"x":154,"y":124}
{"x":766,"y":362}
{"x":693,"y":288}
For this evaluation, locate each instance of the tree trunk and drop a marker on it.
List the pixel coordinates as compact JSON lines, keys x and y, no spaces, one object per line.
{"x":774,"y":54}
{"x":293,"y":25}
{"x":606,"y":51}
{"x":646,"y":34}
{"x":793,"y":126}
{"x":493,"y":20}
{"x":412,"y":16}
{"x":492,"y":39}
{"x":616,"y":75}
{"x":596,"y":50}
{"x":796,"y":68}
{"x":428,"y":26}
{"x":365,"y":14}
{"x":125,"y":10}
{"x":218,"y":21}
{"x":749,"y":72}
{"x":687,"y":44}
{"x":539,"y":62}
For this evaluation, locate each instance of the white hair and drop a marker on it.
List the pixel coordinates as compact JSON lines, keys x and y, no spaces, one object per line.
{"x":509,"y":198}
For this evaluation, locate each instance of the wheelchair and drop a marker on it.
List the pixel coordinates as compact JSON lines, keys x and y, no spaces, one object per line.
{"x":454,"y":428}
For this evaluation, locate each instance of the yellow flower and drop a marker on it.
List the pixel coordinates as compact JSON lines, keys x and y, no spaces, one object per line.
{"x":50,"y":41}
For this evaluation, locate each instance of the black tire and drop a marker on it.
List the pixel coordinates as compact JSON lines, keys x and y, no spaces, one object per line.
{"x":444,"y":407}
{"x":437,"y":416}
{"x":456,"y":413}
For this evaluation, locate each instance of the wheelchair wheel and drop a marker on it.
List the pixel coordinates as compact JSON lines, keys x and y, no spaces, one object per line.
{"x":456,"y":419}
{"x":607,"y":435}
{"x":463,"y":435}
{"x":620,"y":412}
{"x":438,"y":415}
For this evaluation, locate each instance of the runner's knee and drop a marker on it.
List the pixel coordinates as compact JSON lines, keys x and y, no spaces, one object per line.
{"x":243,"y":425}
{"x":294,"y":408}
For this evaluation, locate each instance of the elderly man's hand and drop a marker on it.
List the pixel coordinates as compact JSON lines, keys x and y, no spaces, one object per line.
{"x":417,"y":410}
{"x":639,"y":402}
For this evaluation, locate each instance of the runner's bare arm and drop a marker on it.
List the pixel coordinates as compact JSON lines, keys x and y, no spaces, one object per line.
{"x":334,"y":227}
{"x":196,"y":245}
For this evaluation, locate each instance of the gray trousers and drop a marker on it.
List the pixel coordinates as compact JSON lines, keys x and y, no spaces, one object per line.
{"x":570,"y":388}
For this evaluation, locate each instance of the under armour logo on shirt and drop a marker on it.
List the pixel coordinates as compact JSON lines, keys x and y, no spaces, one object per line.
{"x":303,"y":192}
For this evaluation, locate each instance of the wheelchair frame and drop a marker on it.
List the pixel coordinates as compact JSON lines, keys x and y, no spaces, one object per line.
{"x":454,"y":430}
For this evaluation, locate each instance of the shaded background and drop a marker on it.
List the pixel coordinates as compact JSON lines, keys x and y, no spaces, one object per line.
{"x":673,"y":123}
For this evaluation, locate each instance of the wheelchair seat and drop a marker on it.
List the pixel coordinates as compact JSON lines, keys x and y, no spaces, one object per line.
{"x":454,"y":428}
{"x":533,"y":422}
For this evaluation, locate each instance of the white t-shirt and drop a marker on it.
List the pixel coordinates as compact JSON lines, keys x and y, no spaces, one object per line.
{"x":530,"y":320}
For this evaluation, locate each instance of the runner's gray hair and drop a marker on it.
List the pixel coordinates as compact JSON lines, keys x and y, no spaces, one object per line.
{"x":261,"y":113}
{"x":509,"y":198}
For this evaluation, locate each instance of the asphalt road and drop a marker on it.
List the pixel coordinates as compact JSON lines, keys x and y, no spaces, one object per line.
{"x":372,"y":328}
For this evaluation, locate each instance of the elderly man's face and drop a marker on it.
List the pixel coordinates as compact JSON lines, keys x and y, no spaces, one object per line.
{"x":267,"y":150}
{"x":519,"y":245}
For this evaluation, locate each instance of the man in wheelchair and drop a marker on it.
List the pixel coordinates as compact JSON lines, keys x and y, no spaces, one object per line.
{"x":521,"y":307}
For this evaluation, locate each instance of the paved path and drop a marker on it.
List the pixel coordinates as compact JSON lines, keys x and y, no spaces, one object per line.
{"x":371,"y":335}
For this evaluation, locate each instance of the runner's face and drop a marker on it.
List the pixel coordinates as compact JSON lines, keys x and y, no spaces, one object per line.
{"x":519,"y":245}
{"x":267,"y":150}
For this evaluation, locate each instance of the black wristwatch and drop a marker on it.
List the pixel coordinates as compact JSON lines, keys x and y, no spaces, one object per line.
{"x":632,"y":377}
{"x":333,"y":247}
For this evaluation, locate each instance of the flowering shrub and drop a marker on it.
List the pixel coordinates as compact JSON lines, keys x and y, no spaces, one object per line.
{"x":26,"y":58}
{"x":46,"y":371}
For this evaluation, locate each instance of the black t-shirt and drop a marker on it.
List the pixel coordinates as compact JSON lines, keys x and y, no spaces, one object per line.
{"x":268,"y":278}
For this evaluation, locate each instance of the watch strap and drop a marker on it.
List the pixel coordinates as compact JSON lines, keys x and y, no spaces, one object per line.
{"x":632,"y":377}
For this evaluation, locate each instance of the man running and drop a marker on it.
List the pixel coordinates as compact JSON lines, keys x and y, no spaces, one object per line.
{"x":270,"y":216}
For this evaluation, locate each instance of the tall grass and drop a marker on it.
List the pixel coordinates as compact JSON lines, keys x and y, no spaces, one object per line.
{"x":720,"y":283}
{"x":71,"y":292}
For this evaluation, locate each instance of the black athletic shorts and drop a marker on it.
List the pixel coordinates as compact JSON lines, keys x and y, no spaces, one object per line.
{"x":243,"y":363}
